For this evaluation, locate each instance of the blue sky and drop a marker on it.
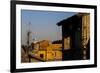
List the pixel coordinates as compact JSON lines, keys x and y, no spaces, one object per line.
{"x":43,"y":24}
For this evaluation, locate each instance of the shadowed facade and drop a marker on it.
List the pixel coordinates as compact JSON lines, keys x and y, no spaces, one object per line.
{"x":75,"y":32}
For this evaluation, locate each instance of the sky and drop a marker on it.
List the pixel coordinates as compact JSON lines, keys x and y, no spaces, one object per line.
{"x":42,"y":24}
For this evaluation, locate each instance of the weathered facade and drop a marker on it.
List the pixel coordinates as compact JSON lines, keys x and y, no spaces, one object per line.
{"x":75,"y":33}
{"x":47,"y":51}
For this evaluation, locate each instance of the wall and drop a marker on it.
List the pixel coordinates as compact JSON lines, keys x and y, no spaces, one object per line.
{"x":5,"y":37}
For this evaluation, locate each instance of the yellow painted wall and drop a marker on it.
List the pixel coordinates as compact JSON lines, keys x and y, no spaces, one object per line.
{"x":56,"y":46}
{"x":43,"y":44}
{"x":58,"y":55}
{"x":50,"y":56}
{"x":51,"y":52}
{"x":85,"y":28}
{"x":41,"y":52}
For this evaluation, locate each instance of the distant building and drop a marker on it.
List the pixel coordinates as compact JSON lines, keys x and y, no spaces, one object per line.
{"x":47,"y":51}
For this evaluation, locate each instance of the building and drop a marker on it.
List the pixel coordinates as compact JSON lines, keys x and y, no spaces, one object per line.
{"x":47,"y":51}
{"x":75,"y":36}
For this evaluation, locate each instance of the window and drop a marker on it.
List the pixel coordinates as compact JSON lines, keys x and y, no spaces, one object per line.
{"x":41,"y":55}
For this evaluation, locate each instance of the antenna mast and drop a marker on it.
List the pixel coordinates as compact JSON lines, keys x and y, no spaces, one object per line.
{"x":28,"y":34}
